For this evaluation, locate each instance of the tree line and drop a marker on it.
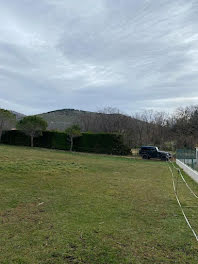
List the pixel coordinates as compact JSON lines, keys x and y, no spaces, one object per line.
{"x":168,"y":131}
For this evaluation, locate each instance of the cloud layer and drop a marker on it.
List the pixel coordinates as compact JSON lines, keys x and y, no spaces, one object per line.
{"x":132,"y":55}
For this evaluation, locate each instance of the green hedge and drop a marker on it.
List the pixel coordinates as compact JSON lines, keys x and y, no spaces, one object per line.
{"x":49,"y":139}
{"x":101,"y":143}
{"x":15,"y":138}
{"x":89,"y":142}
{"x":53,"y":140}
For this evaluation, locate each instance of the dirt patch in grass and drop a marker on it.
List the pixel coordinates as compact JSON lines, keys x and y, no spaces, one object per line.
{"x":31,"y":213}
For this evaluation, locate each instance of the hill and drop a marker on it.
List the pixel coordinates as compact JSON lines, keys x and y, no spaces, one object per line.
{"x":64,"y":118}
{"x":136,"y":130}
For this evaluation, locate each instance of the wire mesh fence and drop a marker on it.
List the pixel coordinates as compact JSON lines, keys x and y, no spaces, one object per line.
{"x":188,"y":157}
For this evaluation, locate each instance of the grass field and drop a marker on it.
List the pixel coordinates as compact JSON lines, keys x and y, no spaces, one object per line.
{"x":58,"y":207}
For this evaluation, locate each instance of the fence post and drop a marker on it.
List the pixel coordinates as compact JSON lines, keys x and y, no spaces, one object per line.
{"x":196,"y":157}
{"x":184,"y":156}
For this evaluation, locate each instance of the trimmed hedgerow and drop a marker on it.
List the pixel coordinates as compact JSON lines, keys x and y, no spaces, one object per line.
{"x":15,"y":137}
{"x":54,"y":140}
{"x":104,"y":143}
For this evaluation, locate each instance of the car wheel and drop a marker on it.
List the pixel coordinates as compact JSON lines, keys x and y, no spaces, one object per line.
{"x":164,"y":158}
{"x":145,"y":157}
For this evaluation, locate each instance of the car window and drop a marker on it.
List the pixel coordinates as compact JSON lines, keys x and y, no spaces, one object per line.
{"x":148,"y":149}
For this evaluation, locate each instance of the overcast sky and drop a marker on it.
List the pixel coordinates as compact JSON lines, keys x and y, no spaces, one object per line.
{"x":88,"y":54}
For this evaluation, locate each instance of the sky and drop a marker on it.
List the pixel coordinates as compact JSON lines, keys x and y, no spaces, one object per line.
{"x":129,"y":54}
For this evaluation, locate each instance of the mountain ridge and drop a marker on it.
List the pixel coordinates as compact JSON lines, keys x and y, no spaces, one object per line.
{"x":63,"y":118}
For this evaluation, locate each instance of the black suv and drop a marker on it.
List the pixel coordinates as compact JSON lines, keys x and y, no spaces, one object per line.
{"x":147,"y":152}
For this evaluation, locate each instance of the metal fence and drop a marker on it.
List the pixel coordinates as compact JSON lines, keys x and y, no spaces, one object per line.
{"x":188,"y":157}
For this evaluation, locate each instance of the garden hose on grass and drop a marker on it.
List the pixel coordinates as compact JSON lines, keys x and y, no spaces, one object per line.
{"x":175,"y":191}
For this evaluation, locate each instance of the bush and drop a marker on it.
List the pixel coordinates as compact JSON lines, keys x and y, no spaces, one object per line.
{"x":103,"y":143}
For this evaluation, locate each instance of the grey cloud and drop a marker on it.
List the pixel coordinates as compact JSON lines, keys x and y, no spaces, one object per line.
{"x":89,"y":54}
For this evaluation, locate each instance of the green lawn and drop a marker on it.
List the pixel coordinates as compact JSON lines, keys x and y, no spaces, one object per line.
{"x":59,"y":207}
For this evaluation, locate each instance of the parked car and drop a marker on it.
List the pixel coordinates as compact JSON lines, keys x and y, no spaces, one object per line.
{"x":148,"y":152}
